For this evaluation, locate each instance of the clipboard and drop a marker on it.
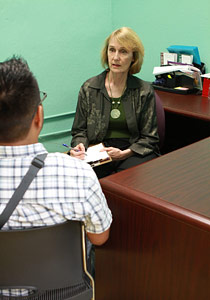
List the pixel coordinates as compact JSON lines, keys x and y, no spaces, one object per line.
{"x":96,"y":158}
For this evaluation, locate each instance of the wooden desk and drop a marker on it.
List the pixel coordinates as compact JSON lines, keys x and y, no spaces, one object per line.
{"x":190,"y":105}
{"x":187,"y":119}
{"x":159,"y":246}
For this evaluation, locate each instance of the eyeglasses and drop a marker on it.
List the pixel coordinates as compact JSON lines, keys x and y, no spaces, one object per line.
{"x":43,"y":96}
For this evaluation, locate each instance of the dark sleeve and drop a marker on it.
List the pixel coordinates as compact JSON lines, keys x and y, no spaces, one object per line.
{"x":148,"y":131}
{"x":79,"y":127}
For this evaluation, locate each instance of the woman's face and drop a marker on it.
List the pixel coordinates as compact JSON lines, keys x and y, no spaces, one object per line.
{"x":119,"y":58}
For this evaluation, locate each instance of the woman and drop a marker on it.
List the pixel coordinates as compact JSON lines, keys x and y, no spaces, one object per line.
{"x":117,"y":108}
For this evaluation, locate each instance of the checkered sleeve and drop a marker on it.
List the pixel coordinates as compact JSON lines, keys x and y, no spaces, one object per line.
{"x":99,"y":216}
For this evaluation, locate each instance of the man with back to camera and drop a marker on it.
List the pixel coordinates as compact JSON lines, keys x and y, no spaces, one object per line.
{"x":65,"y":188}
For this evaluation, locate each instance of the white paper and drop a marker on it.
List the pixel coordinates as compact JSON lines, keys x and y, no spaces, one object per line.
{"x":168,"y":69}
{"x":169,"y":57}
{"x":207,"y":75}
{"x":186,"y":59}
{"x":93,"y":153}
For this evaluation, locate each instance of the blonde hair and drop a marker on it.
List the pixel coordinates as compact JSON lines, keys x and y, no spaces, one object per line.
{"x":131,"y":41}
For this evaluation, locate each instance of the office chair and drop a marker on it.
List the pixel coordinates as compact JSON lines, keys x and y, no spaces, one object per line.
{"x":50,"y":260}
{"x":160,"y":120}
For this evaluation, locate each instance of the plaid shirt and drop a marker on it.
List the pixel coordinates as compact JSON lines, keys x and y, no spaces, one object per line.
{"x":65,"y":188}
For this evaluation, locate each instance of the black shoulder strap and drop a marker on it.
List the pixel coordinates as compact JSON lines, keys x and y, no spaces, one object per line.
{"x":36,"y":164}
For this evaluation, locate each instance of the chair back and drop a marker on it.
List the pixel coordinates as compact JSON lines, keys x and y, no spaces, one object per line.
{"x":160,"y":120}
{"x":49,"y":260}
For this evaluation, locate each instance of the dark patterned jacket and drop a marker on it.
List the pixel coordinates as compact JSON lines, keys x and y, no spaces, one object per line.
{"x":93,"y":112}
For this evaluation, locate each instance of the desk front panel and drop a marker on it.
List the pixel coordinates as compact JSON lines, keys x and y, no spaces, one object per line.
{"x":150,"y":255}
{"x":187,"y":119}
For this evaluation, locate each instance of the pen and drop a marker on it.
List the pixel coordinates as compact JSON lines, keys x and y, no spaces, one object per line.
{"x":71,"y":148}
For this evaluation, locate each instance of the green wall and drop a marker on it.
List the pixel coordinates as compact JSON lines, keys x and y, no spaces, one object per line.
{"x":62,"y":39}
{"x":164,"y":23}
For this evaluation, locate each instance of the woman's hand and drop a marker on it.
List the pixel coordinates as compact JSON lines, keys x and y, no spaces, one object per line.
{"x":78,"y":151}
{"x":117,"y":154}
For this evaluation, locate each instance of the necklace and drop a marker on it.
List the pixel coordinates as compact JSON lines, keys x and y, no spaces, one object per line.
{"x":115,"y":112}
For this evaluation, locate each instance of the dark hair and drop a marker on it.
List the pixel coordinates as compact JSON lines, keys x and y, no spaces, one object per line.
{"x":19,"y":98}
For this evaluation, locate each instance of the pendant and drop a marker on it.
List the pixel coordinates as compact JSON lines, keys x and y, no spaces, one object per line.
{"x":115,"y":113}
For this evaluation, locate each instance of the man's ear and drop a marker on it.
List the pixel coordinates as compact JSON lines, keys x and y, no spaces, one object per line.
{"x":39,"y":116}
